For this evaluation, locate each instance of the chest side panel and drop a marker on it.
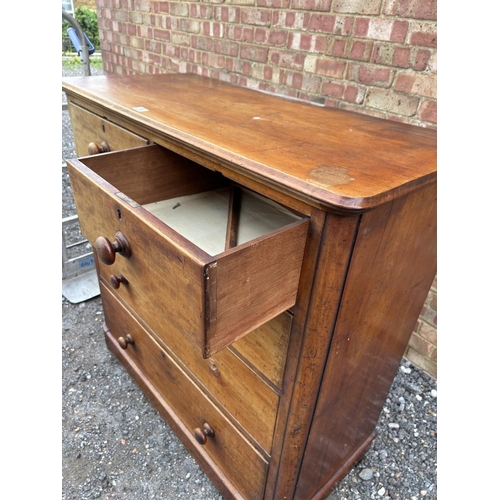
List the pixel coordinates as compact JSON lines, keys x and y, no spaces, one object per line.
{"x":393,"y":266}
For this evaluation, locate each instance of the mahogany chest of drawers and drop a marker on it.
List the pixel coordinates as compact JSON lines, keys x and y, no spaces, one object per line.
{"x":262,"y":263}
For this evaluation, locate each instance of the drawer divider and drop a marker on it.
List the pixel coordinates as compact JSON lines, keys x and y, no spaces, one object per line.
{"x":233,"y":217}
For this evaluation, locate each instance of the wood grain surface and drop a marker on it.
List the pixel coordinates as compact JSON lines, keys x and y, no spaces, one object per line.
{"x":213,"y":300}
{"x":345,"y":159}
{"x":397,"y":244}
{"x":89,"y":127}
{"x":245,"y":467}
{"x":298,"y":394}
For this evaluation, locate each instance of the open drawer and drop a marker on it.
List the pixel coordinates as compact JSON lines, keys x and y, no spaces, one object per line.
{"x":185,"y":248}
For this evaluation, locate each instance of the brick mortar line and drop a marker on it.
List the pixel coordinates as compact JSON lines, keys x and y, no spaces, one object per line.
{"x":424,"y":354}
{"x":330,"y":38}
{"x":311,"y":13}
{"x":285,"y":90}
{"x":343,"y":79}
{"x":427,"y":323}
{"x":214,"y":6}
{"x":322,"y":77}
{"x":348,"y":62}
{"x":291,"y":50}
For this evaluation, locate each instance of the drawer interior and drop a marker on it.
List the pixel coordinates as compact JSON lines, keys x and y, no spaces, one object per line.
{"x":197,"y":203}
{"x":151,"y":173}
{"x":203,"y":218}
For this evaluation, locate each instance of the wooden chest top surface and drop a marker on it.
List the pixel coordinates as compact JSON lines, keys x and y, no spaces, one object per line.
{"x":339,"y":158}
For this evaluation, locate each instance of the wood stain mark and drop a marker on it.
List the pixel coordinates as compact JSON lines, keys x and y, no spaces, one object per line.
{"x":327,"y":176}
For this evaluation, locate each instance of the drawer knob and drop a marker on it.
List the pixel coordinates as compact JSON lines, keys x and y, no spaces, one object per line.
{"x":115,"y":281}
{"x":95,"y":149}
{"x":202,"y":434}
{"x":107,"y":250}
{"x":125,"y":341}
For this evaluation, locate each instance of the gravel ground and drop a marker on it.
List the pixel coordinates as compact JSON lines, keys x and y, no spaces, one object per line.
{"x":116,"y":445}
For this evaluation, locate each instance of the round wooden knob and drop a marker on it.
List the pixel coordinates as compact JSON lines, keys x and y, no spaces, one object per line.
{"x":125,"y":341}
{"x":202,"y":434}
{"x":115,"y":281}
{"x":106,"y":250}
{"x":95,"y":149}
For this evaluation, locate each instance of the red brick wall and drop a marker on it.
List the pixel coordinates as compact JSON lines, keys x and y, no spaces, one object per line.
{"x":376,"y":57}
{"x":372,"y":56}
{"x":422,"y":348}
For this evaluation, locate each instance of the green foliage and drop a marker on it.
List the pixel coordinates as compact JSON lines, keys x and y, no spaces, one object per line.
{"x":87,"y":18}
{"x":74,"y":62}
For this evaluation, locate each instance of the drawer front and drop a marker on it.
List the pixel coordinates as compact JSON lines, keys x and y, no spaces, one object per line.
{"x":238,"y":388}
{"x":212,"y":300}
{"x":266,"y":348}
{"x":89,"y":128}
{"x":245,"y":467}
